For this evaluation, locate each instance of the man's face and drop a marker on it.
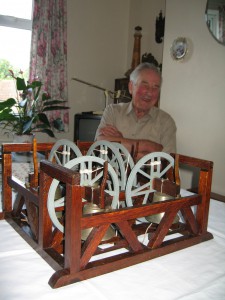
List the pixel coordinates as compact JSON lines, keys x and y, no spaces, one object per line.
{"x":145,"y":92}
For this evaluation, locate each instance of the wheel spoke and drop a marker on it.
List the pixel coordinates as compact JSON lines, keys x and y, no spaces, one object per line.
{"x":63,"y":151}
{"x":87,"y":166}
{"x":139,"y":183}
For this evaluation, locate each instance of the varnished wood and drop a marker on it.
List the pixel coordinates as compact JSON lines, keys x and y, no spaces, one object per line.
{"x":84,"y":146}
{"x":6,"y":173}
{"x":70,"y":257}
{"x":7,"y":150}
{"x":136,"y":57}
{"x":35,"y":163}
{"x":63,"y":277}
{"x":190,"y":219}
{"x":166,"y":186}
{"x":26,"y":147}
{"x":176,"y":170}
{"x":91,"y":244}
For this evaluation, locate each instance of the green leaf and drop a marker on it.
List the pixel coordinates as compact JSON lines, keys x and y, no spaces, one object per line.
{"x":7,"y":115}
{"x":14,"y":114}
{"x":35,"y":84}
{"x":39,"y":126}
{"x":50,"y":108}
{"x":44,"y":119}
{"x":49,"y":132}
{"x":45,"y":96}
{"x":7,"y":103}
{"x":20,"y":84}
{"x":49,"y":102}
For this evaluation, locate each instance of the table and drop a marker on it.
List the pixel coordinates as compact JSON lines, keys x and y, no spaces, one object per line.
{"x":197,"y":272}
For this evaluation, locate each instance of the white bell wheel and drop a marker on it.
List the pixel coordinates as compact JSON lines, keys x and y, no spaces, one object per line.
{"x":109,"y":152}
{"x":127,"y":160}
{"x":85,"y":166}
{"x":63,"y":151}
{"x":139,"y":182}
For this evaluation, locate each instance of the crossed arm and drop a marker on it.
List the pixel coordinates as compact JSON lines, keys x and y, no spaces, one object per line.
{"x":137,"y":147}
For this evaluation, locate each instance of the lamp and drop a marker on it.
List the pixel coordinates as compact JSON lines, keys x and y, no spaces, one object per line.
{"x":114,"y":95}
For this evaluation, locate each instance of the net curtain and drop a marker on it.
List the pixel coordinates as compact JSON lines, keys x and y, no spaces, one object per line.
{"x":49,"y":53}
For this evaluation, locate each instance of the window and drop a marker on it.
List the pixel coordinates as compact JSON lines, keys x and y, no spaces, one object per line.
{"x":15,"y":33}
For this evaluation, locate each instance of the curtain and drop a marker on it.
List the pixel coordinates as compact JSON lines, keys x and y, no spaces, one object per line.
{"x":49,"y":53}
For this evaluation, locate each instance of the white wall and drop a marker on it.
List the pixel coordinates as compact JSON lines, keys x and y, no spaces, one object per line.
{"x":144,"y":13}
{"x":100,"y":45}
{"x":97,"y":46}
{"x":193,"y":91}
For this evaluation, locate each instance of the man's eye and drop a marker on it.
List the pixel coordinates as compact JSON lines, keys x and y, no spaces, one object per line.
{"x":150,"y":87}
{"x":145,"y":85}
{"x":155,"y":87}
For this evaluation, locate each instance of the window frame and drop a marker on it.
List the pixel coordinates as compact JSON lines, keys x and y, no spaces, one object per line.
{"x":14,"y":22}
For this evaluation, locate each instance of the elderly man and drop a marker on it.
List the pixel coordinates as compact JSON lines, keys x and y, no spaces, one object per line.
{"x":140,"y":122}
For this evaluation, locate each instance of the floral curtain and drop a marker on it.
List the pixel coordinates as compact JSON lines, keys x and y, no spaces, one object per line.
{"x":49,"y":53}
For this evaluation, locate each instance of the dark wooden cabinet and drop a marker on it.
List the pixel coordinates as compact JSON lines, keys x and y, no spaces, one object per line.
{"x":121,"y":84}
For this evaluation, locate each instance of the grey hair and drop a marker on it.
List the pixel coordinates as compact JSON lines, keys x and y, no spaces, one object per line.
{"x":143,"y":66}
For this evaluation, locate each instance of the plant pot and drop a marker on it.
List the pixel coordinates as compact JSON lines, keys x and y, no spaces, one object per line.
{"x":24,"y":138}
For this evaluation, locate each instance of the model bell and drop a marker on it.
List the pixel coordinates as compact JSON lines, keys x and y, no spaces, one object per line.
{"x":91,"y":208}
{"x":158,"y":217}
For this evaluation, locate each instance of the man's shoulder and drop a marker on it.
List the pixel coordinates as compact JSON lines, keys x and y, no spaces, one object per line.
{"x":119,"y":107}
{"x":161,"y":113}
{"x":163,"y":117}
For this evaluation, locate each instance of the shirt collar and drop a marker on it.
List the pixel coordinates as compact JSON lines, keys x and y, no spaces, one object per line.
{"x":151,"y":113}
{"x":129,"y":108}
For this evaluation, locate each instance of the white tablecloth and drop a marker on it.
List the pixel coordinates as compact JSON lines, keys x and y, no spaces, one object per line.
{"x":197,"y":272}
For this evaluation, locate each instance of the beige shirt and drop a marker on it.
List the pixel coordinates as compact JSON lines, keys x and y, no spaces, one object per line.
{"x":157,"y":126}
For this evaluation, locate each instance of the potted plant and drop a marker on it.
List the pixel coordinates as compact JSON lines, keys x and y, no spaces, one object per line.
{"x":26,"y":114}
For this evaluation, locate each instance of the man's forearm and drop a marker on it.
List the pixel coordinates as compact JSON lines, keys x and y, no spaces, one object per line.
{"x":140,"y":147}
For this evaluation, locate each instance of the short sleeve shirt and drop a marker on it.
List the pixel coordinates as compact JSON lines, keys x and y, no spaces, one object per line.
{"x":157,"y":126}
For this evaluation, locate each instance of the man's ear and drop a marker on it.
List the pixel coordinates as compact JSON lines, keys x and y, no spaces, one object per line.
{"x":130,"y":87}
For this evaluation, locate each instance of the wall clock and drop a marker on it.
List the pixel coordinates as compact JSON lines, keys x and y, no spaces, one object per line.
{"x":179,"y":48}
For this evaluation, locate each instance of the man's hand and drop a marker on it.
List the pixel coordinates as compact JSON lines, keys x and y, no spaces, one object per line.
{"x":110,"y":130}
{"x":137,"y":148}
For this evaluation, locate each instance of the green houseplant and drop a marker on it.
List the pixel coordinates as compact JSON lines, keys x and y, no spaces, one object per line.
{"x":26,"y":114}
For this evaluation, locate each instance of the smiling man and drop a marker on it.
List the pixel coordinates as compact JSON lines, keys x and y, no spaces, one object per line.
{"x":139,"y":123}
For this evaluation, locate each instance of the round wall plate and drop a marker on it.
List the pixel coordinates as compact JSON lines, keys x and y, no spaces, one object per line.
{"x":179,"y":48}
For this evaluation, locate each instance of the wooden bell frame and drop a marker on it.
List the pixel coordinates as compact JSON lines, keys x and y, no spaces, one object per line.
{"x":75,"y":264}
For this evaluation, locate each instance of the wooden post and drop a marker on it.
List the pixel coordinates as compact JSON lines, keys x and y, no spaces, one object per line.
{"x":136,"y":50}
